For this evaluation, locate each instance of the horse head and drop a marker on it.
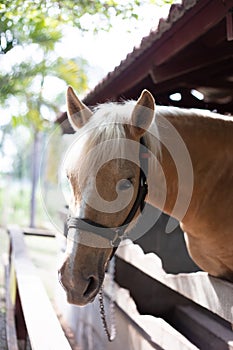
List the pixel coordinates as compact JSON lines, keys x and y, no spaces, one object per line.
{"x":103,"y":170}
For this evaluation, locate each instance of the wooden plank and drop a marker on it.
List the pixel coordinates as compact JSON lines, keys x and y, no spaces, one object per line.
{"x":192,"y":62}
{"x":154,"y":329}
{"x":204,"y":331}
{"x":212,"y":293}
{"x":38,"y":232}
{"x":43,"y":327}
{"x":10,"y":319}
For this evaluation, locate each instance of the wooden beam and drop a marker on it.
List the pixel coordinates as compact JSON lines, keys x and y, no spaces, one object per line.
{"x":215,"y":75}
{"x":203,"y":330}
{"x":214,"y":294}
{"x":194,"y":59}
{"x":38,"y":232}
{"x":10,"y":317}
{"x":155,"y":330}
{"x":43,"y":327}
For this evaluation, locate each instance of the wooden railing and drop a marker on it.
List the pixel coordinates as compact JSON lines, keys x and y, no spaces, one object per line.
{"x":29,"y":312}
{"x":197,"y":305}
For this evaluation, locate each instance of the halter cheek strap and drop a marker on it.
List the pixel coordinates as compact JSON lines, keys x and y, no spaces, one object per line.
{"x":116,"y":234}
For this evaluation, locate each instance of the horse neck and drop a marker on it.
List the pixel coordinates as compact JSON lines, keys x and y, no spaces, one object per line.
{"x":203,"y":142}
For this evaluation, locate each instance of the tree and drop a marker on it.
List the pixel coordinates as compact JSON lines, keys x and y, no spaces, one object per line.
{"x":21,"y":21}
{"x":25,"y":82}
{"x":39,"y":24}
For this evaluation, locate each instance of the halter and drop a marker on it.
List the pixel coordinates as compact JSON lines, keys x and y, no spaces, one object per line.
{"x":117,"y":234}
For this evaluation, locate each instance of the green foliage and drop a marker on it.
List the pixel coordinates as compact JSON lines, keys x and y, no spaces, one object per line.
{"x":41,"y":21}
{"x":27,"y":21}
{"x":26,"y":75}
{"x":23,"y":85}
{"x":72,"y":71}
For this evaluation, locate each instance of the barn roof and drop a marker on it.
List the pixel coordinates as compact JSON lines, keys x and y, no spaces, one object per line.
{"x":192,"y":49}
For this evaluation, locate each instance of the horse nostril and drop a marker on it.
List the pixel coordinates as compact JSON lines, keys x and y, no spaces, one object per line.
{"x":92,"y":286}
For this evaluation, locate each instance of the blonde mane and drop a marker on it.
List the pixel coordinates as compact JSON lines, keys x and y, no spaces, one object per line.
{"x":106,"y":124}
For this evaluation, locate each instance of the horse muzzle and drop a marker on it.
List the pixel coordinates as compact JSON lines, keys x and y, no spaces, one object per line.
{"x":82,"y":292}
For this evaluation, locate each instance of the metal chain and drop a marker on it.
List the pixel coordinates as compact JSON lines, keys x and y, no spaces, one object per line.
{"x":111,"y":334}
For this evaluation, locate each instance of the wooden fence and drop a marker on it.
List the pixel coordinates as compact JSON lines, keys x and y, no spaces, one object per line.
{"x":155,"y":309}
{"x":29,"y":312}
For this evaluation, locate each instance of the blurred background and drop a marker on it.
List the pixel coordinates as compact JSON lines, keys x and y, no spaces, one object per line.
{"x":45,"y":46}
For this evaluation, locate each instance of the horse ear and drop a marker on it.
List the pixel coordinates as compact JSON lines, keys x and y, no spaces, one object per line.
{"x":78,"y":112}
{"x":142,"y":114}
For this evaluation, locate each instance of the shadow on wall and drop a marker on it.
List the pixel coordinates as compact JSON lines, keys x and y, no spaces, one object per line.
{"x":170,"y":247}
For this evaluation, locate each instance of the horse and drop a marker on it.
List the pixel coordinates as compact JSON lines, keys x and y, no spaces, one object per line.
{"x":187,"y":162}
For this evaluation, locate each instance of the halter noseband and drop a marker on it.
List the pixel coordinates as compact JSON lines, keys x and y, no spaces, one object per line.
{"x":116,"y":234}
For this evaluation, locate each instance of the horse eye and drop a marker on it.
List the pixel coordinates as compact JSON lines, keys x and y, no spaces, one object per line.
{"x":124,"y":184}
